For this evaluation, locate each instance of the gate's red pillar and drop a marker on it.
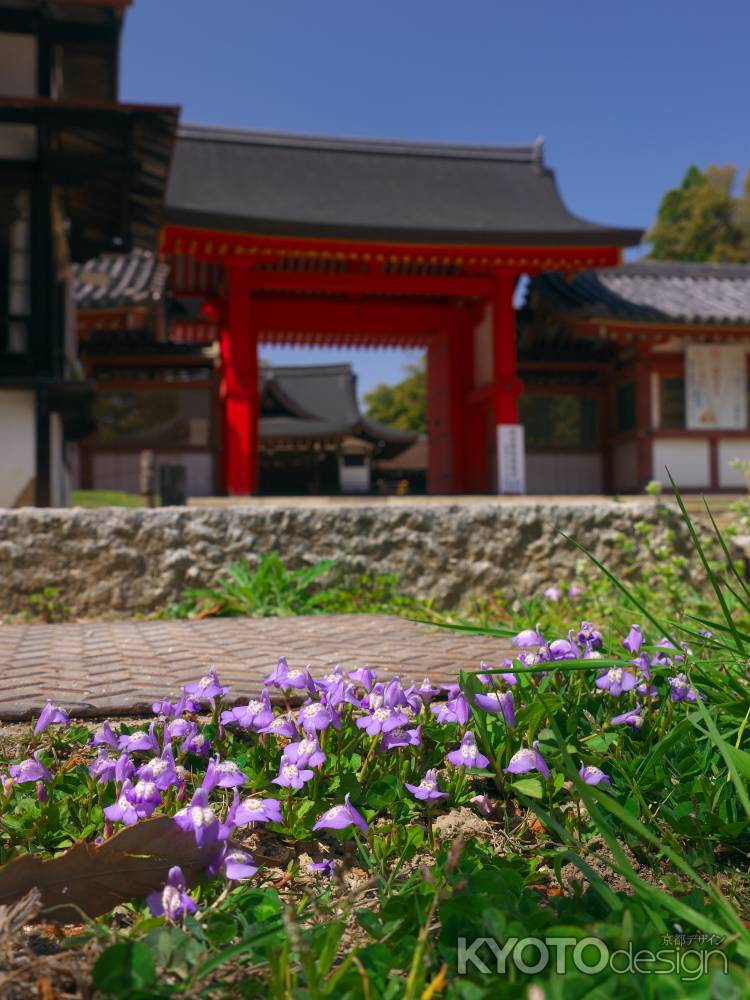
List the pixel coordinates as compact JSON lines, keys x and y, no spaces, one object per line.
{"x":461,"y":373}
{"x":439,"y":457}
{"x":506,"y":388}
{"x":239,"y":348}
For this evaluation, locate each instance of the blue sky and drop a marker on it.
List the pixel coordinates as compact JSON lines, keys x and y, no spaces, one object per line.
{"x":627,"y":96}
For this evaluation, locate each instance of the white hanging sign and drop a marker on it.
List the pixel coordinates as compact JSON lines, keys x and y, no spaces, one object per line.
{"x":511,"y":459}
{"x":715,"y":387}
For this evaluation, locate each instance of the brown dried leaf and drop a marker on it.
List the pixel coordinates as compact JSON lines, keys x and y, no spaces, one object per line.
{"x":95,"y":879}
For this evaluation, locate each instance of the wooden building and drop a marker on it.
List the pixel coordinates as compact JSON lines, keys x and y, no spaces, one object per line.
{"x":632,"y":370}
{"x":80,"y":173}
{"x":293,"y":239}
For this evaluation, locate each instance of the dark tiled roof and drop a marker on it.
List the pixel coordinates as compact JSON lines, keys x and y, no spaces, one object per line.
{"x":278,"y":184}
{"x":320,"y":401}
{"x":118,"y":281}
{"x":653,"y":291}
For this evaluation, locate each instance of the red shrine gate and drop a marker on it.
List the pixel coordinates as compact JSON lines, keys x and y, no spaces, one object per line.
{"x":456,"y":301}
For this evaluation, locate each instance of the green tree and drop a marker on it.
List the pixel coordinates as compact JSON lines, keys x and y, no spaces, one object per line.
{"x":404,"y":405}
{"x":702,"y":220}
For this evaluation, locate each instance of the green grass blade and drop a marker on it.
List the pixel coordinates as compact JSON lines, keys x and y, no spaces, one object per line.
{"x":709,"y":572}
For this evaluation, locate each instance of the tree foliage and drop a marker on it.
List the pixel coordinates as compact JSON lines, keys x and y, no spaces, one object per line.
{"x":404,"y":405}
{"x":702,"y":220}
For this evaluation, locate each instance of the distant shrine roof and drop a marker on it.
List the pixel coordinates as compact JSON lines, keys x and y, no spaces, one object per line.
{"x":270,"y":183}
{"x":650,"y":292}
{"x":318,"y":402}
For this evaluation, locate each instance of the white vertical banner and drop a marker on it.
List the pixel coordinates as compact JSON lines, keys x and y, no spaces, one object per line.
{"x":511,"y":459}
{"x":715,"y":386}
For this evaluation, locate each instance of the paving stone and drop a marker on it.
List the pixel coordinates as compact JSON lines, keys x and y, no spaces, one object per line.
{"x":121,"y":667}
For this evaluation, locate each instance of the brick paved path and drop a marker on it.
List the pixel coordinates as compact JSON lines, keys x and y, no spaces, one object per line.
{"x":121,"y":667}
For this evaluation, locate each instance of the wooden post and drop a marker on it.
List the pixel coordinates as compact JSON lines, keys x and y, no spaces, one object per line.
{"x":644,"y":437}
{"x":506,"y":385}
{"x":239,"y":343}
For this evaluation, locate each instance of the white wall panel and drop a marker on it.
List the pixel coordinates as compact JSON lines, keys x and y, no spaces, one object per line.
{"x":17,"y":443}
{"x":687,"y":460}
{"x":728,"y":450}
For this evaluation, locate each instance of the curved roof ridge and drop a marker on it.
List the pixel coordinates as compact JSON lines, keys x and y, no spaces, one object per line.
{"x":680,"y":269}
{"x":524,"y":153}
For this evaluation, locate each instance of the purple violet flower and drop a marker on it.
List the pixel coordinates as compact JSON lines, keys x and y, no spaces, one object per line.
{"x":564,"y":649}
{"x":223,"y":774}
{"x":382,"y":720}
{"x":145,"y":795}
{"x":162,"y":769}
{"x":285,"y":679}
{"x":238,"y":865}
{"x":426,"y":691}
{"x":632,"y":718}
{"x":491,"y":680}
{"x":467,"y":755}
{"x":340,"y":817}
{"x":324,"y":867}
{"x":195,"y":742}
{"x":123,"y":809}
{"x":103,"y":768}
{"x":526,"y":760}
{"x":50,"y":715}
{"x":140,"y":740}
{"x":28,"y":770}
{"x":317,"y":716}
{"x":173,"y":902}
{"x":427,"y":790}
{"x":106,"y":768}
{"x":305,"y":753}
{"x":401,"y":738}
{"x":482,"y":804}
{"x":633,"y":640}
{"x":177,"y":729}
{"x":593,"y":775}
{"x":456,"y":709}
{"x":553,"y":593}
{"x":590,"y":636}
{"x":291,"y":776}
{"x":256,"y":715}
{"x":616,"y":680}
{"x":576,"y":590}
{"x":199,"y":818}
{"x":528,"y":637}
{"x":497,"y":702}
{"x":235,"y":864}
{"x":681,"y":689}
{"x":363,"y":676}
{"x":254,"y":810}
{"x":207,"y":689}
{"x":104,"y":737}
{"x":282,"y":727}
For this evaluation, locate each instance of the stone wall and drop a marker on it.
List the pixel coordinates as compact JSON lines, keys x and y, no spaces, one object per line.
{"x":115,"y":562}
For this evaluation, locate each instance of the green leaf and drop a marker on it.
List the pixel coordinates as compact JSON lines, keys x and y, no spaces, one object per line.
{"x":532,"y":787}
{"x":123,"y":969}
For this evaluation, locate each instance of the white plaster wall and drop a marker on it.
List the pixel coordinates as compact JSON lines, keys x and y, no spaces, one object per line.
{"x":728,"y":450}
{"x":354,"y":478}
{"x":558,"y":473}
{"x":17,"y":443}
{"x":688,"y":461}
{"x":483,"y":349}
{"x":625,"y":466}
